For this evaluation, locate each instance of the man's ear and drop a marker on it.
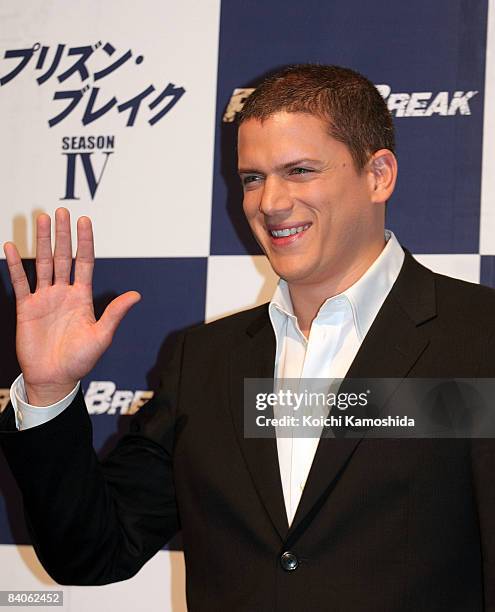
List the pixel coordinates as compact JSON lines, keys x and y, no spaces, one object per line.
{"x":382,"y":168}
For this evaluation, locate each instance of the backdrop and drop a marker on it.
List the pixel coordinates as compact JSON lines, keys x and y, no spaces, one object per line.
{"x":124,"y":111}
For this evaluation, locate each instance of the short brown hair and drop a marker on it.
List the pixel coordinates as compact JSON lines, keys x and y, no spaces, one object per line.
{"x":357,"y":114}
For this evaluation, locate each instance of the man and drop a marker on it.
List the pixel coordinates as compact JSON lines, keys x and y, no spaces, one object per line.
{"x":343,"y":524}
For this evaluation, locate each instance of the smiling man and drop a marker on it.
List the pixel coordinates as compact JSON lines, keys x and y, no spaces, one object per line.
{"x":345,"y":524}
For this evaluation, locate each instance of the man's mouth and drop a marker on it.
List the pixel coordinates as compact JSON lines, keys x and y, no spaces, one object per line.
{"x":288,"y":231}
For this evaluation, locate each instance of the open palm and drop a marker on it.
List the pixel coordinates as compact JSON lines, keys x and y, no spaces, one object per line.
{"x":58,"y":338}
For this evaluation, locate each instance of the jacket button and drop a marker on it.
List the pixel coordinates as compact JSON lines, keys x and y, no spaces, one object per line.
{"x":289,"y":561}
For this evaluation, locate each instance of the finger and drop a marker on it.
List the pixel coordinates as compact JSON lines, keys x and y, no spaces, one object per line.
{"x":16,"y":271}
{"x":115,"y":312}
{"x":62,"y":258}
{"x":85,"y":256}
{"x":44,"y":257}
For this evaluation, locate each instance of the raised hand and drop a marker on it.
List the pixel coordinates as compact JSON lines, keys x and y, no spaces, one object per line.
{"x":58,"y":338}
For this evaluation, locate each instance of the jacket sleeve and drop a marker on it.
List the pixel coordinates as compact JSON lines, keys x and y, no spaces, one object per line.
{"x":95,"y":522}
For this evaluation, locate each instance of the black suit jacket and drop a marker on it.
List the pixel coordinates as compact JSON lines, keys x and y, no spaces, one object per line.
{"x":382,"y":526}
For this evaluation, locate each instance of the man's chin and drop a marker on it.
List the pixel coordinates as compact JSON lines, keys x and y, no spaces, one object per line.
{"x":293,"y":268}
{"x":293,"y":275}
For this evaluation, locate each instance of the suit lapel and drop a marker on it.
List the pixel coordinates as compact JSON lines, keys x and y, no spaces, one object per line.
{"x":255,"y":358}
{"x":392,"y":346}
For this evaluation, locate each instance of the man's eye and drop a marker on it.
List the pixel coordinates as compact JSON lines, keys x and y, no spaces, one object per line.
{"x":251,"y":178}
{"x":300,"y":170}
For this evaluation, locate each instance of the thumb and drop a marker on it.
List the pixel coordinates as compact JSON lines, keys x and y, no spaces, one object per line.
{"x":115,"y":312}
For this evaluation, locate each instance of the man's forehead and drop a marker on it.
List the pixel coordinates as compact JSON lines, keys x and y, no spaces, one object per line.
{"x":284,"y":138}
{"x":282,"y":120}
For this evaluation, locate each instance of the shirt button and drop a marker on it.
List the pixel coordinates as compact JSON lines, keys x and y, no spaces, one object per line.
{"x":289,"y":561}
{"x":19,"y":416}
{"x":301,"y":486}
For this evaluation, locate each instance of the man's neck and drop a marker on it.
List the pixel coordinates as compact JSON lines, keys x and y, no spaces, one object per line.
{"x":307,"y":299}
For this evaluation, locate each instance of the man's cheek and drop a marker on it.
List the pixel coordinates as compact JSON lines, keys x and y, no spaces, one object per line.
{"x":250,"y":207}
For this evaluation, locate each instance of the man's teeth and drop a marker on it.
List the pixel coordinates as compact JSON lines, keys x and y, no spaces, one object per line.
{"x":289,"y":232}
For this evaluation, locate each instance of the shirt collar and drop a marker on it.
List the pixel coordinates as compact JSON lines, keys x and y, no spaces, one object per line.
{"x":365,"y":296}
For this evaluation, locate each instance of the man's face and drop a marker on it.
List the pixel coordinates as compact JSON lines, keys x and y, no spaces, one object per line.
{"x":307,"y":205}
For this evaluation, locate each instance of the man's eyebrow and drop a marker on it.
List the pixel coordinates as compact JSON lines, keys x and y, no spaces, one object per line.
{"x":284,"y":166}
{"x":296,"y":162}
{"x":248,"y":171}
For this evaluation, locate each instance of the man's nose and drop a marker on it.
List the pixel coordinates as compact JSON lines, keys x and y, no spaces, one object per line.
{"x":275,"y":198}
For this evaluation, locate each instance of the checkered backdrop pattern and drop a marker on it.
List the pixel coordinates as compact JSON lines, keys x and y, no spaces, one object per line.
{"x":123,"y":111}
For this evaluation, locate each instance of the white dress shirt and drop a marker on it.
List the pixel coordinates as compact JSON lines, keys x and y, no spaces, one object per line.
{"x":335,"y":337}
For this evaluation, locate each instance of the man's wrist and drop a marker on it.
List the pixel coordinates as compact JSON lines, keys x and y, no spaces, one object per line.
{"x":47,"y":395}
